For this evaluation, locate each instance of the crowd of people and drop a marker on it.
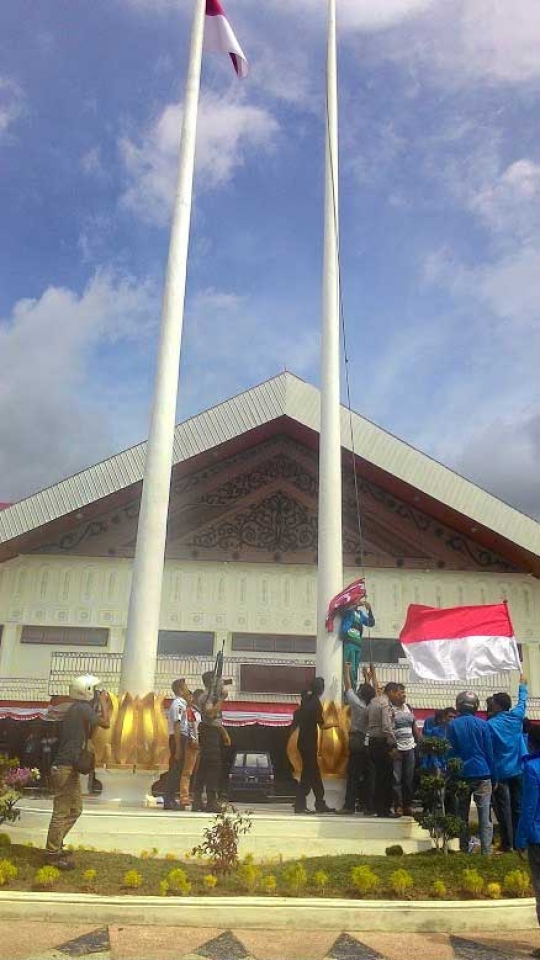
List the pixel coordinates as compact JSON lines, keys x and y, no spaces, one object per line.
{"x":497,"y":771}
{"x":385,"y":756}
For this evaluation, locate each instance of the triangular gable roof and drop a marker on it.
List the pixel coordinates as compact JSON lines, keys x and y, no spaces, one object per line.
{"x":284,"y":396}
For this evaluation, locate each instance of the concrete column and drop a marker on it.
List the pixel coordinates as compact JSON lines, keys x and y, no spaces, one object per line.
{"x":330,"y":549}
{"x":10,"y":636}
{"x":139,"y":659}
{"x":531,"y":666}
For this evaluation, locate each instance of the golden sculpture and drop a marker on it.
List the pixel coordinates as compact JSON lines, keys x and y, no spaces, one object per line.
{"x":137,"y":736}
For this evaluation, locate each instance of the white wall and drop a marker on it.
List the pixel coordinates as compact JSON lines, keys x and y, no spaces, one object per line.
{"x":224,"y":597}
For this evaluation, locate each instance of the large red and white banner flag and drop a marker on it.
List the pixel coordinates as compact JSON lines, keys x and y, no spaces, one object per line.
{"x":459,"y":643}
{"x":219,"y":37}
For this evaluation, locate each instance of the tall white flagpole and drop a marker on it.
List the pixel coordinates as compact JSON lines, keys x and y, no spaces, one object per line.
{"x":330,"y":537}
{"x":139,"y":659}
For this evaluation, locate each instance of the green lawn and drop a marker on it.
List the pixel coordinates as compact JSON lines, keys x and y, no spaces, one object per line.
{"x":110,"y":869}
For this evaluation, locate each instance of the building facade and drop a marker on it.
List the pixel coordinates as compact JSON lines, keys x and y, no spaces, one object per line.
{"x":241,"y":557}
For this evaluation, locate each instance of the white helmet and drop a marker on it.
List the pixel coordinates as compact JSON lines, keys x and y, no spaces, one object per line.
{"x":83,"y":688}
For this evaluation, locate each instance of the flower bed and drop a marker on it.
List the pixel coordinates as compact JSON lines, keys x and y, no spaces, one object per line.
{"x":422,"y":876}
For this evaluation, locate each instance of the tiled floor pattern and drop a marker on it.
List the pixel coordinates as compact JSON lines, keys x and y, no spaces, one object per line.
{"x":48,"y":941}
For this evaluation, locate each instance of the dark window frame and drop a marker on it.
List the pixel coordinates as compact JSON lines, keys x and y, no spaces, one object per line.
{"x":194,"y":640}
{"x":53,"y":635}
{"x":273,"y":643}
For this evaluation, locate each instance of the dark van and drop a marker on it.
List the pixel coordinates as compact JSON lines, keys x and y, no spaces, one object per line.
{"x":252,"y":775}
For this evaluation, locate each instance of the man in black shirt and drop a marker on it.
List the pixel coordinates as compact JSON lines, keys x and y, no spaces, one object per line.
{"x":80,"y":720}
{"x":308,"y":718}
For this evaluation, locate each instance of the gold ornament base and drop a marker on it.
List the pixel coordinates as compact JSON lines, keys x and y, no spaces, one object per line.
{"x":333,"y":744}
{"x":138,"y":734}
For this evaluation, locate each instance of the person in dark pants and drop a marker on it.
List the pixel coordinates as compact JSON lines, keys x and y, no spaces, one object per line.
{"x":528,"y":831}
{"x":509,"y":749}
{"x":309,"y":719}
{"x":382,"y":749}
{"x":210,"y":748}
{"x":359,"y":789}
{"x":177,"y":720}
{"x":80,"y":719}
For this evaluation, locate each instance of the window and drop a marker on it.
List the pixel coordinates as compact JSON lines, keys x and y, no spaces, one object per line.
{"x":381,"y":650}
{"x":272,"y":643}
{"x":187,"y":643}
{"x":66,"y":636}
{"x":257,"y":760}
{"x":266,"y":678}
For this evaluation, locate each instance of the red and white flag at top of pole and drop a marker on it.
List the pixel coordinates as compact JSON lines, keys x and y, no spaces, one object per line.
{"x":219,"y":37}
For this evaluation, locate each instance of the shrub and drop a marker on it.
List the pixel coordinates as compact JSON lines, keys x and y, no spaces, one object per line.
{"x":132,"y":880}
{"x":516,"y":883}
{"x":438,"y":888}
{"x":163,"y":888}
{"x":5,"y":839}
{"x":269,"y":883}
{"x":210,"y":881}
{"x":8,"y":871}
{"x":494,"y":891}
{"x":320,"y":879}
{"x":364,"y":880}
{"x":178,"y":883}
{"x":46,"y":877}
{"x":396,"y":850}
{"x":248,"y":875}
{"x":295,"y":877}
{"x":472,"y":883}
{"x":222,"y":839}
{"x":400,"y":882}
{"x":171,"y":856}
{"x":89,"y":876}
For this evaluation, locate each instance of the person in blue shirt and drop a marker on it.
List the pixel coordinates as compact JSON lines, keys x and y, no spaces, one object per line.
{"x":437,"y":726}
{"x":509,"y":750}
{"x":528,"y":830}
{"x":353,"y":621}
{"x":470,"y":741}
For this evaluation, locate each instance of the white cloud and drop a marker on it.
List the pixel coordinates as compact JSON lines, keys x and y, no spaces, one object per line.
{"x":92,"y":164}
{"x":12,"y":104}
{"x":511,"y":448}
{"x":58,"y":408}
{"x":467,"y":41}
{"x":356,"y":14}
{"x":500,"y":39}
{"x":233,"y":341}
{"x":510,"y":204}
{"x":228,"y":130}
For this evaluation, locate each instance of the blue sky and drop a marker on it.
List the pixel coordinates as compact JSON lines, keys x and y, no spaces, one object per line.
{"x":440,"y":221}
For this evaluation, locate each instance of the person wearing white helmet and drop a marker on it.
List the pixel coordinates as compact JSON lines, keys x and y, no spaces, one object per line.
{"x":82,"y":715}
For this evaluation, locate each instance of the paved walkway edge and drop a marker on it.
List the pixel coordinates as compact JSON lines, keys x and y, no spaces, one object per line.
{"x":274,"y":913}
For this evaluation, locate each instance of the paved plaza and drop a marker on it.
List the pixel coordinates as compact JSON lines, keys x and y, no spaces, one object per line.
{"x":51,"y":941}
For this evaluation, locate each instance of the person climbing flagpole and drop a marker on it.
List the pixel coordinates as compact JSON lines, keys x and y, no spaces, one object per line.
{"x":210,"y":30}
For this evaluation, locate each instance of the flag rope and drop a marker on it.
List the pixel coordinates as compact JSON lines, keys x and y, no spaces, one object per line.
{"x":346,"y":361}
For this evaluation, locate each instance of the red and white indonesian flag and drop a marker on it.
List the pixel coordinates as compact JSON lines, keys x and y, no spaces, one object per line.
{"x":354,"y":593}
{"x":219,"y":37}
{"x":459,"y":643}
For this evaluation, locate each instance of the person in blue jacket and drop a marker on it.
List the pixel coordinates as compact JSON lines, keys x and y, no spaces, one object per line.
{"x":353,"y":621}
{"x":528,"y":830}
{"x":471,"y":742}
{"x":509,"y":750}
